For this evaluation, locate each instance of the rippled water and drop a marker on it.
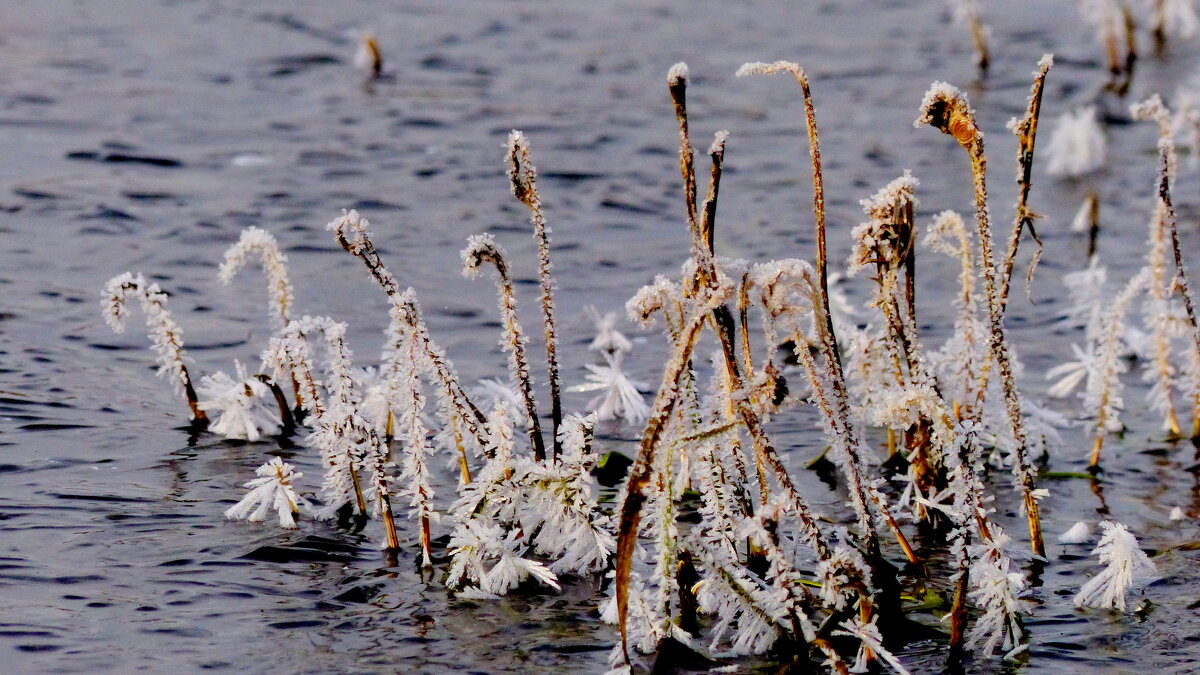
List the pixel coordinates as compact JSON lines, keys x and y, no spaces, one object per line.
{"x":146,"y":135}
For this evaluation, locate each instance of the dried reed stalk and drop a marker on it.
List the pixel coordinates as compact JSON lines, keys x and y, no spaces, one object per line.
{"x":814,"y":150}
{"x":1026,"y":132}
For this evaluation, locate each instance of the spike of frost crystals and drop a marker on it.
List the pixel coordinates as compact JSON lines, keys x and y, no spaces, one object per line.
{"x":273,"y":489}
{"x":1127,"y":568}
{"x":1077,"y":146}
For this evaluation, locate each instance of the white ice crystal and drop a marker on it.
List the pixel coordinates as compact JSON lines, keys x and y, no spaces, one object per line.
{"x":608,"y":339}
{"x":272,"y":490}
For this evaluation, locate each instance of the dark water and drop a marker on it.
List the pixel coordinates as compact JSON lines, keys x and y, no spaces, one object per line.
{"x":146,"y":135}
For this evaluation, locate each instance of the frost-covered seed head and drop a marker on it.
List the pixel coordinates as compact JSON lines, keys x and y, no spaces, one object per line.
{"x":482,"y":248}
{"x":946,"y":108}
{"x":520,"y":168}
{"x":759,"y":68}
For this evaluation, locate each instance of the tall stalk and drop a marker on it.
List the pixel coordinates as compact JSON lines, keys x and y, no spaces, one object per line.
{"x":814,"y":151}
{"x":523,"y":175}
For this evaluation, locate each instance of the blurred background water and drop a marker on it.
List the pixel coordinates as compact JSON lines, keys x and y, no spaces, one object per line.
{"x":146,"y":135}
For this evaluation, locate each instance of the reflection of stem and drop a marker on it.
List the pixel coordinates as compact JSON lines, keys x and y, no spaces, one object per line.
{"x":1099,"y":492}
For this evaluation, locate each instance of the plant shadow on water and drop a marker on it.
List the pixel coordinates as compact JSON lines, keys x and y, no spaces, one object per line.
{"x":148,"y":138}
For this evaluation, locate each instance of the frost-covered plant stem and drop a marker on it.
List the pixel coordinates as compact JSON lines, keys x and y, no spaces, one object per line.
{"x":1026,"y":132}
{"x":1104,"y":383}
{"x":416,"y":444}
{"x":947,"y":109}
{"x":1160,"y":286}
{"x":1181,"y":280}
{"x":482,"y":249}
{"x":642,"y":471}
{"x":523,"y":175}
{"x":331,"y":431}
{"x":814,"y":151}
{"x":259,"y":242}
{"x":164,"y":332}
{"x":351,"y":232}
{"x":776,"y":281}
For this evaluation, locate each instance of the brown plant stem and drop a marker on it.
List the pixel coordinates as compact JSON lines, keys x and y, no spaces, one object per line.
{"x":516,"y":342}
{"x":405,"y":307}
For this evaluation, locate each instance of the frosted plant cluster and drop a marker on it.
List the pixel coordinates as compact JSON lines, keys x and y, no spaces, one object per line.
{"x":709,"y":542}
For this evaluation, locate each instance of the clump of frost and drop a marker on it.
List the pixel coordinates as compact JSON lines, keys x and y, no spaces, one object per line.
{"x":1079,"y":533}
